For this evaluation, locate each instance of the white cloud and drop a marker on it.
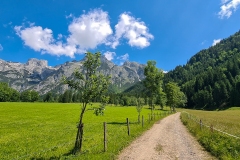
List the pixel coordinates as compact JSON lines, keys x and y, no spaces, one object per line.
{"x":69,"y":16}
{"x":1,"y":47}
{"x":109,"y":55}
{"x":42,"y":40}
{"x":165,"y":71}
{"x":228,"y":7}
{"x":60,"y":36}
{"x":215,"y":41}
{"x":134,"y":30}
{"x":87,"y":31}
{"x":123,"y":58}
{"x":90,"y":30}
{"x":224,"y":1}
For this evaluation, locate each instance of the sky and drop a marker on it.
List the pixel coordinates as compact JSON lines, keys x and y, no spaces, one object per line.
{"x":169,"y":32}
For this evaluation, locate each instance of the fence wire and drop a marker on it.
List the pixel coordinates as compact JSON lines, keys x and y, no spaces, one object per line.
{"x":211,"y":127}
{"x":117,"y":136}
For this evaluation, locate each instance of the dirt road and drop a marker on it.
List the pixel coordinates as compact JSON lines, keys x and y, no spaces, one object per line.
{"x":167,"y":139}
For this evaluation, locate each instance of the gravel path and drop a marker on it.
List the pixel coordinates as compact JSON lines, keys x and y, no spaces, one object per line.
{"x":167,"y":139}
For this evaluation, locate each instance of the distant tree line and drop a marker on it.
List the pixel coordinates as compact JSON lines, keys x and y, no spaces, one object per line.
{"x":161,"y":94}
{"x":8,"y":94}
{"x":152,"y":92}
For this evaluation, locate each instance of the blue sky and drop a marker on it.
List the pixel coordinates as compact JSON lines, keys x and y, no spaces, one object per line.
{"x":167,"y":31}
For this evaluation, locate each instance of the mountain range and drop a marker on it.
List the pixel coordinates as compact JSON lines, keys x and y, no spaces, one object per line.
{"x":37,"y":75}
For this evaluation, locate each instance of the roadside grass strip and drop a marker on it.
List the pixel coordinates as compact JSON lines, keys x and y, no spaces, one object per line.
{"x":217,"y":131}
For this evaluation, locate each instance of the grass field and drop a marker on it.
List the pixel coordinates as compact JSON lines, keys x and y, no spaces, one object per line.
{"x":221,"y":145}
{"x":48,"y":130}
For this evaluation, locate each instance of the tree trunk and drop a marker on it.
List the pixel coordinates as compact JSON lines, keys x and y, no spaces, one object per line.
{"x":152,"y":108}
{"x":79,"y":138}
{"x":139,"y":118}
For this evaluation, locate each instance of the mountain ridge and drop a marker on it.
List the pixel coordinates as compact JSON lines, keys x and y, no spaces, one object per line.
{"x":35,"y":74}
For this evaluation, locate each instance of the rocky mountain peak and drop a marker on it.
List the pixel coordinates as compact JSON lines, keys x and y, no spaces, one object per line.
{"x":37,"y":63}
{"x":133,"y":65}
{"x":36,"y":74}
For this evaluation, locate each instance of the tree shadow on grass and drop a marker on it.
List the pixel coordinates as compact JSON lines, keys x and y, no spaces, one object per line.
{"x":117,"y":123}
{"x":71,"y":155}
{"x":43,"y":158}
{"x":121,"y":123}
{"x":157,"y":109}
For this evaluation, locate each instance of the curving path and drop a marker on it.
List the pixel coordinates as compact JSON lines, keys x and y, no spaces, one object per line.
{"x":168,"y":139}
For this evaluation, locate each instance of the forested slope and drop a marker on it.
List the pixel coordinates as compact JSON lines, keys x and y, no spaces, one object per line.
{"x":211,"y":78}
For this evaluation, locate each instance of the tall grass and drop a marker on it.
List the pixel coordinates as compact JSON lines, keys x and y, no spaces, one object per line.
{"x":219,"y":144}
{"x":48,"y":130}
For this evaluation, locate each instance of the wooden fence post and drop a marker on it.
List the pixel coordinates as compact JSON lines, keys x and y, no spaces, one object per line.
{"x":200,"y":124}
{"x":149,"y":117}
{"x":211,"y":128}
{"x":105,"y":136}
{"x":142,"y":121}
{"x":139,"y":118}
{"x":128,"y":126}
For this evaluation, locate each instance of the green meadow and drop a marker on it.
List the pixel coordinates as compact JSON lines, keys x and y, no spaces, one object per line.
{"x":219,"y":144}
{"x":48,"y":130}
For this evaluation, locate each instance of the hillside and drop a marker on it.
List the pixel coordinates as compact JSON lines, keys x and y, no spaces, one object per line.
{"x":211,"y":78}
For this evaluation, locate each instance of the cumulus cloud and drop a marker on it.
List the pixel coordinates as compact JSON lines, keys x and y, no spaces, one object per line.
{"x":42,"y":40}
{"x":109,"y":55}
{"x":134,"y":30}
{"x":1,"y":47}
{"x":90,"y":30}
{"x":228,"y":7}
{"x":215,"y":41}
{"x":86,"y":32}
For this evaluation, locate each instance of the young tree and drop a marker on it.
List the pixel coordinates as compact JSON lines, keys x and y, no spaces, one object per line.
{"x":26,"y":96}
{"x":15,"y":95}
{"x":153,"y":81}
{"x":175,"y":97}
{"x":48,"y":97}
{"x":100,"y":110}
{"x":161,"y":98}
{"x":29,"y":96}
{"x":34,"y":96}
{"x":140,"y":102}
{"x":90,"y":84}
{"x":66,"y":97}
{"x":8,"y":94}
